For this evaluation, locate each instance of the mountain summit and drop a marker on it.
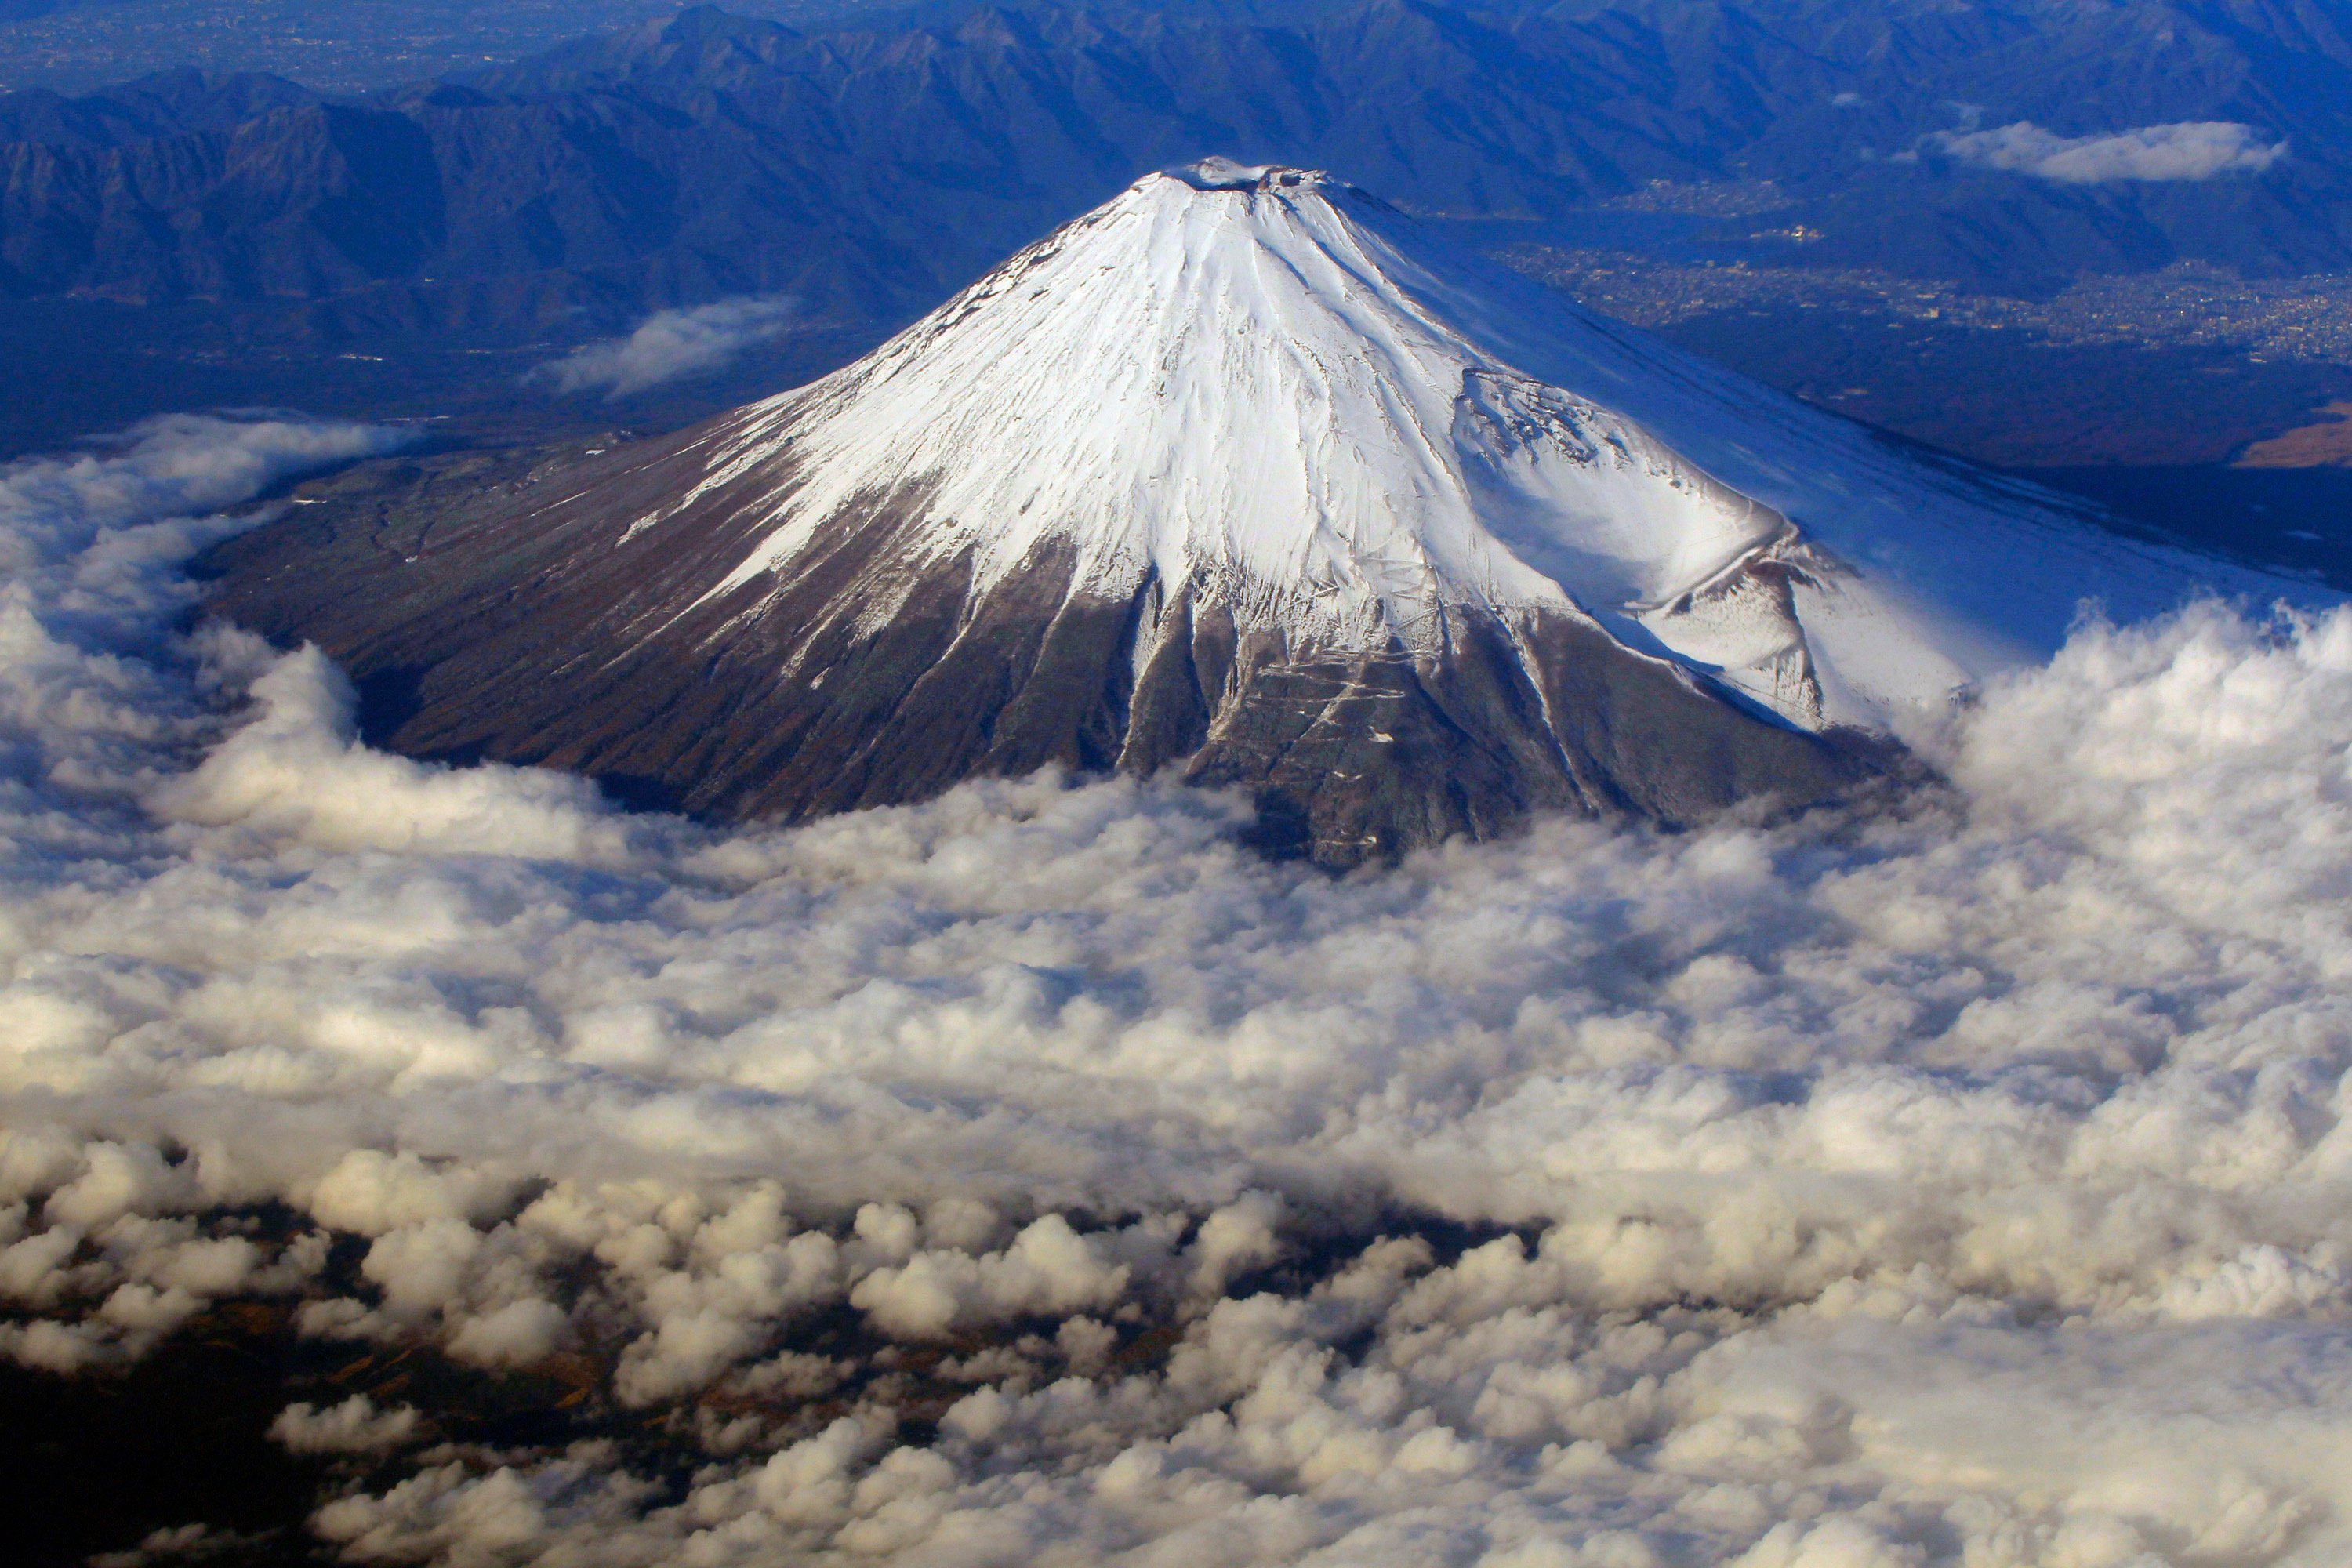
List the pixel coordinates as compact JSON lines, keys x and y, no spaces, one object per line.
{"x":1242,"y":474}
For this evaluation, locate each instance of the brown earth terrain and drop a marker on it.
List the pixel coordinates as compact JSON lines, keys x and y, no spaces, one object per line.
{"x":2326,"y":444}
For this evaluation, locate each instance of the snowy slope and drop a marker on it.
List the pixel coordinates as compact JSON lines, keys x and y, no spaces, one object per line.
{"x":1266,"y":382}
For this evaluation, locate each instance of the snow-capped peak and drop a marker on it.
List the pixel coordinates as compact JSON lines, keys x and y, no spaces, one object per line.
{"x":1265,"y":385}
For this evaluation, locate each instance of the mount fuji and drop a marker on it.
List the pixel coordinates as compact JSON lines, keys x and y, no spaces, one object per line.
{"x":1243,"y":474}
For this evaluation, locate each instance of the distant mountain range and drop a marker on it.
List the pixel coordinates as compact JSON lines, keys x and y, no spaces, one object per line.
{"x":871,"y":171}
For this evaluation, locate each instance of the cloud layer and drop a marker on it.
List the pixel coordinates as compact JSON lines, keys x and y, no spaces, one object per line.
{"x":1769,"y":1195}
{"x":669,"y":346}
{"x":2196,"y":150}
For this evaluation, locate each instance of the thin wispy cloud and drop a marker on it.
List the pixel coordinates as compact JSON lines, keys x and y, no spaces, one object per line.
{"x":1756,"y":1194}
{"x":2201,"y":149}
{"x":670,"y":345}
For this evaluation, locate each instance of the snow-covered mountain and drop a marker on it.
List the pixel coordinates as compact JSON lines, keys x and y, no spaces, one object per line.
{"x":1242,"y":473}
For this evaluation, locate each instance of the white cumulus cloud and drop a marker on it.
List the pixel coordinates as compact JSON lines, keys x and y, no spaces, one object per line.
{"x":1034,"y":1176}
{"x":355,"y":1427}
{"x":2194,"y":149}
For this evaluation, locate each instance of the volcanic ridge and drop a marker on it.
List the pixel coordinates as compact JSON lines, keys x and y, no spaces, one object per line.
{"x":1244,"y":475}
